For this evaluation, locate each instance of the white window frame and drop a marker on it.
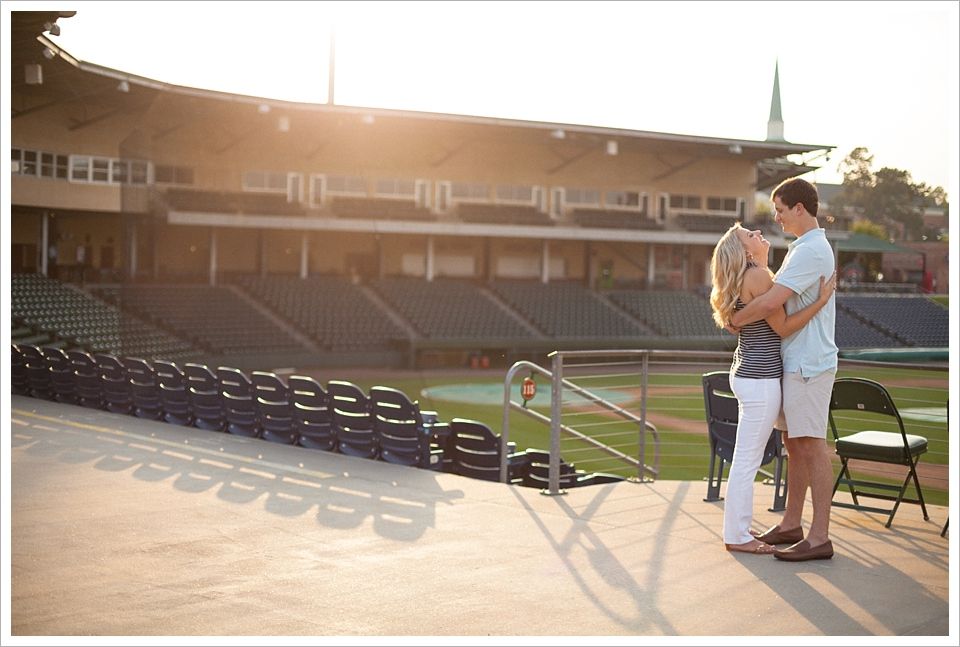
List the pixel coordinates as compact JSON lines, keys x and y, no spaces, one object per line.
{"x":663,"y":207}
{"x":443,"y":191}
{"x":485,"y":199}
{"x":557,"y":202}
{"x":270,"y":184}
{"x":540,"y":198}
{"x":641,"y":197}
{"x":723,"y":211}
{"x":294,"y":187}
{"x":176,"y":172}
{"x":348,"y":180}
{"x":512,"y":189}
{"x":318,"y":190}
{"x":396,"y":193}
{"x":577,"y":201}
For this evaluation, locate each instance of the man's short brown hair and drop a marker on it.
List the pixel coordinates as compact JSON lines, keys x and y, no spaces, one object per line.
{"x":796,"y":190}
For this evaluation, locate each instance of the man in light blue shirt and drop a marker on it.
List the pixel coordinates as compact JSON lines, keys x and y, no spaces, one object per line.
{"x":809,"y":369}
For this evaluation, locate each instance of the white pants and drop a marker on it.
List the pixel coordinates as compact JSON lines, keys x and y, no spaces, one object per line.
{"x":759,"y":405}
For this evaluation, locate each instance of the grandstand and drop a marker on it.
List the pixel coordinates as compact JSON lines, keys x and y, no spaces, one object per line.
{"x":358,"y":236}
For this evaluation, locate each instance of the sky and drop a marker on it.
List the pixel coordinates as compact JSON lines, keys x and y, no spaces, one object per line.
{"x":881,"y":74}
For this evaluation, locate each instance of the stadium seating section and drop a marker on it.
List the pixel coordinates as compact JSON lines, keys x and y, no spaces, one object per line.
{"x":285,"y":314}
{"x":241,"y":202}
{"x":380,"y":208}
{"x":384,"y":424}
{"x":705,"y":222}
{"x":502,"y":214}
{"x":336,"y":314}
{"x":448,"y":309}
{"x":911,"y":320}
{"x":51,"y":313}
{"x":615,"y":219}
{"x":212,"y":317}
{"x":567,"y":310}
{"x":669,"y":313}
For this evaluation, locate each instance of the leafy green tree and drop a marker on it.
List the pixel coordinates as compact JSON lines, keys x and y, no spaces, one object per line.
{"x":888,"y":197}
{"x":870,"y":229}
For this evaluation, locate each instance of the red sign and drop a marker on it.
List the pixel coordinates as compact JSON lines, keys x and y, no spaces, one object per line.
{"x":528,"y":389}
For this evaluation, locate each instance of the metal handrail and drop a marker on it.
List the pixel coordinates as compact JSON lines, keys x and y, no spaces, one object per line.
{"x":557,"y":384}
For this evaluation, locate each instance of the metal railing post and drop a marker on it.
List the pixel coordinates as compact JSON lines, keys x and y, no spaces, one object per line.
{"x":645,"y":367}
{"x":556,"y":394}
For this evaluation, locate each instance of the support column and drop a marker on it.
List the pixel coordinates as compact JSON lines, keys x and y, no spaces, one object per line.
{"x":304,"y":254}
{"x":651,"y":264}
{"x":545,"y":261}
{"x":45,"y":242}
{"x":684,"y":266}
{"x":430,"y":259}
{"x":588,"y":264}
{"x":261,"y":255}
{"x":213,"y":256}
{"x":132,"y":265}
{"x":487,"y":261}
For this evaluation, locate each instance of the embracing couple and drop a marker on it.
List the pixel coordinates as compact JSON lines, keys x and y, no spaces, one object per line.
{"x":783,"y":370}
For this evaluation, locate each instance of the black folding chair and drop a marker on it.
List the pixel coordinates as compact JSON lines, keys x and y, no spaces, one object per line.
{"x":722,"y":414}
{"x":873,"y":405}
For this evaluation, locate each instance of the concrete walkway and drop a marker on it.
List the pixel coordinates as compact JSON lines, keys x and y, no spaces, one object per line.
{"x":127,"y":527}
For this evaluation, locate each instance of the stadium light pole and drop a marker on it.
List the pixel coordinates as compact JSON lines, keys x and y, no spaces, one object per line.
{"x":333,"y":65}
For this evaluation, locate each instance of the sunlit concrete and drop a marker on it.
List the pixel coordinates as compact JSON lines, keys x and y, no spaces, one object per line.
{"x":129,"y":527}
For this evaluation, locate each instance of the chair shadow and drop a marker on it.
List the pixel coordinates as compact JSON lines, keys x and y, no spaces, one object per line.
{"x":290,"y":480}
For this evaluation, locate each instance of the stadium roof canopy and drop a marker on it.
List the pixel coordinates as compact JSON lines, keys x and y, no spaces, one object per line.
{"x":165,"y":106}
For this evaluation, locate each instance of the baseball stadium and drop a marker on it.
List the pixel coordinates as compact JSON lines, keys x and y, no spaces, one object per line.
{"x":297,"y":369}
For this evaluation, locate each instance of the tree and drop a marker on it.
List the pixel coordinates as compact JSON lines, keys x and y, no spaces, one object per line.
{"x":870,"y":229}
{"x":888,"y":197}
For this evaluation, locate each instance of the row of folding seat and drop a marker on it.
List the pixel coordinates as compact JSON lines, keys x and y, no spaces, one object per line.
{"x":566,"y":309}
{"x":384,"y":424}
{"x":447,"y":308}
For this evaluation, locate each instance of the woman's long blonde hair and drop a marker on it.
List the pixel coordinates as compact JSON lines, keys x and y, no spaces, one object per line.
{"x":727,"y":267}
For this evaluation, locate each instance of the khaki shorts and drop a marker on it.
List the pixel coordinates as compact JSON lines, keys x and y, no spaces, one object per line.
{"x":806,"y":403}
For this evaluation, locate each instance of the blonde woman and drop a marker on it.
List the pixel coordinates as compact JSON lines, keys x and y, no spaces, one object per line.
{"x":740,"y":273}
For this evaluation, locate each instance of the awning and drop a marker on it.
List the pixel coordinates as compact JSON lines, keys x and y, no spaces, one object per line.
{"x":858,"y":242}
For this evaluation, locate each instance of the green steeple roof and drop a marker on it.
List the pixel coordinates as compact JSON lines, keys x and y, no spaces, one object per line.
{"x":775,"y":101}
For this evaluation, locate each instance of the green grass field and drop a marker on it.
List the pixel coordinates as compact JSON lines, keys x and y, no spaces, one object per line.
{"x":675,"y":405}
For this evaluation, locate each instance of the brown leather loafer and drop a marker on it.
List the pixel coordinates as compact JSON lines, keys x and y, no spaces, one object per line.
{"x":802,"y":551}
{"x":776,"y":536}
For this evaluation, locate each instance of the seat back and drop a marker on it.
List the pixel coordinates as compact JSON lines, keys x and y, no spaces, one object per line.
{"x":87,"y":374}
{"x":114,"y":384}
{"x":352,"y":419}
{"x":238,"y":402}
{"x":174,"y":396}
{"x":475,"y":452}
{"x":144,"y":388}
{"x":723,"y":413}
{"x":205,"y":401}
{"x":19,"y":379}
{"x":311,"y":413}
{"x":63,"y":381}
{"x":860,"y":394}
{"x":400,"y":431}
{"x":274,"y":408}
{"x":38,"y":373}
{"x":537,"y":473}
